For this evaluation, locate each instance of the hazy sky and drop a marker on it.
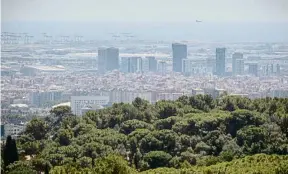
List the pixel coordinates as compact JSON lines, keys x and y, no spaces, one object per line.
{"x":145,"y":10}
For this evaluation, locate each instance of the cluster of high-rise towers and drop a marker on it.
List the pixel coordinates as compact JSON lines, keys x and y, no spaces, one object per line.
{"x":108,"y":60}
{"x":180,"y":55}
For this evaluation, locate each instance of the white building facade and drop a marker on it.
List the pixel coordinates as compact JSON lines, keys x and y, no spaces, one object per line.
{"x":80,"y":102}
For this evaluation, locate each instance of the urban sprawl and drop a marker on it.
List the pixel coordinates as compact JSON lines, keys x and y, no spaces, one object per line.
{"x":89,"y":75}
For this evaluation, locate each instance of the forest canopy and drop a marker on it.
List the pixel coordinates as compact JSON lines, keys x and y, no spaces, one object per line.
{"x":195,"y":134}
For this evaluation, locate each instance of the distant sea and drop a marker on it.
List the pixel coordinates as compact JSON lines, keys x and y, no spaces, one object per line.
{"x":203,"y":32}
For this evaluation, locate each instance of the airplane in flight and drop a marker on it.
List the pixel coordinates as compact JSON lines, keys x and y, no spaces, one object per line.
{"x":198,"y":21}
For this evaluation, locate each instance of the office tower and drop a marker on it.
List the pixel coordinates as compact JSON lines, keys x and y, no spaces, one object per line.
{"x":108,"y":59}
{"x":112,"y":59}
{"x":239,"y":67}
{"x":211,"y":64}
{"x":152,"y":63}
{"x":162,"y":67}
{"x":220,"y":61}
{"x":40,"y":98}
{"x":149,"y":64}
{"x":131,"y":64}
{"x":188,"y":66}
{"x":179,"y":53}
{"x":102,"y":60}
{"x":135,"y":64}
{"x":253,"y":69}
{"x":139,"y":65}
{"x":125,"y":64}
{"x":145,"y":65}
{"x":237,"y":64}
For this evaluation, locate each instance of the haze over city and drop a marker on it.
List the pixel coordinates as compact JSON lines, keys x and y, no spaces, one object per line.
{"x":144,"y":86}
{"x":223,"y":20}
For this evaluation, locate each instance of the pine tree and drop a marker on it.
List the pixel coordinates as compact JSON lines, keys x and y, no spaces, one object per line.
{"x":14,"y":153}
{"x":10,"y":152}
{"x":46,"y":169}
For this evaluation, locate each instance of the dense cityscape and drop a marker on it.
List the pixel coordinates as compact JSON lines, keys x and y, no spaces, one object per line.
{"x":144,"y":87}
{"x":37,"y":75}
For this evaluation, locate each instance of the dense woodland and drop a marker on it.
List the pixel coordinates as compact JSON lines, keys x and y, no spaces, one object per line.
{"x":191,"y":135}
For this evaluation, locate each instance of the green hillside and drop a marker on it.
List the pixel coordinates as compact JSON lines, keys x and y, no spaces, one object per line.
{"x":191,"y":135}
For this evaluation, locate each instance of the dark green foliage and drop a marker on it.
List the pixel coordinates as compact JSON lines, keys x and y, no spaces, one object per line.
{"x":183,"y":99}
{"x":202,"y":102}
{"x":157,"y":159}
{"x":10,"y":152}
{"x":230,"y":150}
{"x":166,"y":123}
{"x":166,"y":109}
{"x":208,"y":160}
{"x":193,"y":134}
{"x":260,"y":163}
{"x":85,"y":162}
{"x":60,"y":113}
{"x":112,"y":165}
{"x":189,"y":157}
{"x":64,"y":136}
{"x":282,"y":169}
{"x":21,"y":167}
{"x":140,"y":103}
{"x":284,"y":124}
{"x":31,"y":147}
{"x":39,"y":164}
{"x":130,"y":125}
{"x":37,"y":128}
{"x":241,"y":118}
{"x":229,"y":105}
{"x":47,"y":169}
{"x":252,"y":139}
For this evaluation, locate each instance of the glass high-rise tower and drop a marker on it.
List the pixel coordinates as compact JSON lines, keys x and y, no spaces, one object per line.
{"x":108,"y":59}
{"x":179,"y":53}
{"x":112,"y":59}
{"x":237,"y":64}
{"x":220,"y":61}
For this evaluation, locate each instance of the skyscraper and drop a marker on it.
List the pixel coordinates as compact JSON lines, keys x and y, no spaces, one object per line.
{"x":135,"y":64}
{"x":101,"y":60}
{"x":112,"y":59}
{"x":237,"y":64}
{"x":162,"y":67}
{"x":145,"y":65}
{"x":179,"y":53}
{"x":188,"y":66}
{"x":220,"y":61}
{"x":125,"y":64}
{"x":131,"y":64}
{"x":139,"y":65}
{"x":253,"y":69}
{"x":211,"y":64}
{"x":152,"y":63}
{"x":108,"y":59}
